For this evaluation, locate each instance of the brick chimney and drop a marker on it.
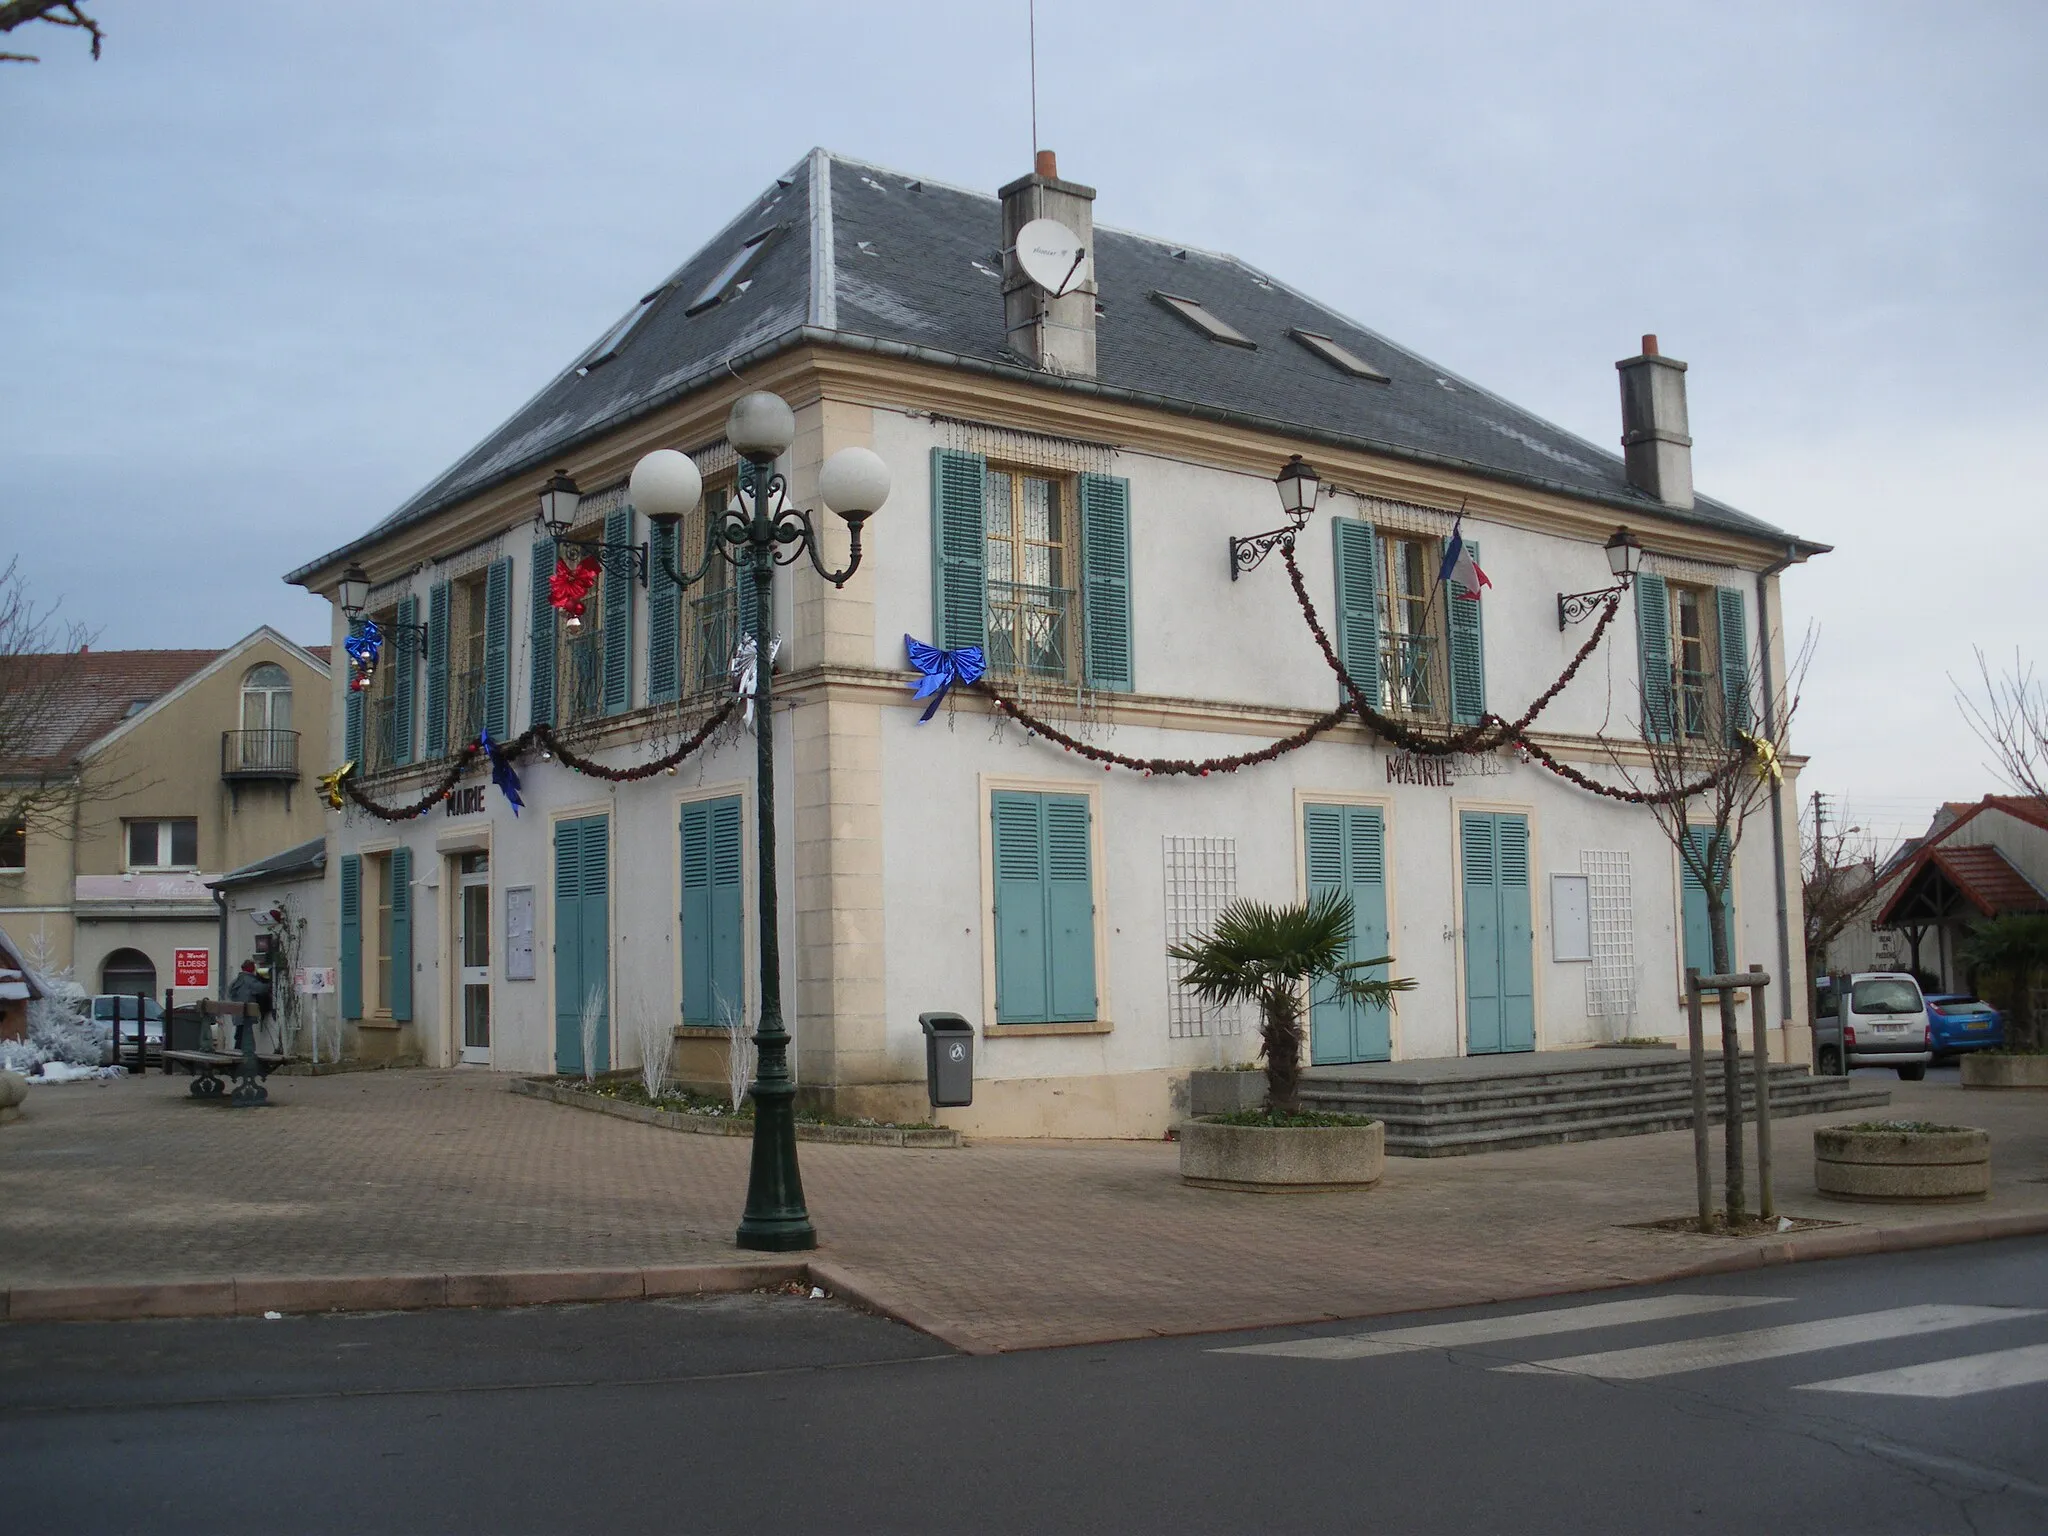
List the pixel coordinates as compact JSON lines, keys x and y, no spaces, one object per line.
{"x":1057,"y":334}
{"x":1654,"y":432}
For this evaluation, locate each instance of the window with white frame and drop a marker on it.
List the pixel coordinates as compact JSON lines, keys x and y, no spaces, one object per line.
{"x":169,"y":843}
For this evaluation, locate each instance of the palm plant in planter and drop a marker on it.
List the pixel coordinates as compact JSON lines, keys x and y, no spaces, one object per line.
{"x":1272,"y":956}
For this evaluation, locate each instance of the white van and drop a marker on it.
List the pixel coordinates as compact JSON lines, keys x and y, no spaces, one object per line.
{"x":1884,"y":1023}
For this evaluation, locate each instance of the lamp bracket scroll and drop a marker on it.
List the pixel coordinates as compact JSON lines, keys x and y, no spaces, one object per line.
{"x":1298,"y":484}
{"x":1624,"y":559}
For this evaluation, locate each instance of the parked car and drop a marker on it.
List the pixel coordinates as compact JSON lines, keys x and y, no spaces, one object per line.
{"x":114,"y":1015}
{"x":1963,"y":1023}
{"x":1886,"y":1024}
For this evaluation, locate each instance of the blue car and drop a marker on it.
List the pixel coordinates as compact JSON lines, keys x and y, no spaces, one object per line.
{"x":1958,"y":1023}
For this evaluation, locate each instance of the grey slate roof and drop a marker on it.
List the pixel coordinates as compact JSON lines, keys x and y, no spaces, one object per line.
{"x":307,"y":858}
{"x":870,"y":258}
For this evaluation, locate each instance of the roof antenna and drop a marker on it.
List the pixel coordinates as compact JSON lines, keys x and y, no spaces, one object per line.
{"x":1031,"y":7}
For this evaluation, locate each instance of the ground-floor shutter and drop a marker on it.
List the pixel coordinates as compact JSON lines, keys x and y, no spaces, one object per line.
{"x":1345,"y":848}
{"x":1500,"y":973}
{"x":1045,"y":909}
{"x":713,"y":929}
{"x":400,"y":871}
{"x":1696,"y":931}
{"x":582,"y":948}
{"x":351,"y":936}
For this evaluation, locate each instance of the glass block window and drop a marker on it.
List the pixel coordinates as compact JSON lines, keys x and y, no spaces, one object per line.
{"x":1611,"y":982}
{"x":1201,"y":880}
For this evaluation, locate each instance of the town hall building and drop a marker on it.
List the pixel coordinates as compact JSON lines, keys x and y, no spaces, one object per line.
{"x":1072,"y":456}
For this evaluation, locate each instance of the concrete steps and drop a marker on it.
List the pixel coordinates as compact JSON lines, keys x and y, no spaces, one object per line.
{"x":1494,"y":1109}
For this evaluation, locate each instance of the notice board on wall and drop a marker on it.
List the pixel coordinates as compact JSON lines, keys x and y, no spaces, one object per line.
{"x":519,"y":933}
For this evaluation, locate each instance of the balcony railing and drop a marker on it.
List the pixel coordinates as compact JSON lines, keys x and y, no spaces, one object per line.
{"x":259,"y":754}
{"x":1030,"y":630}
{"x":1411,"y":675}
{"x":579,"y":690}
{"x":379,"y":735}
{"x":714,"y":634}
{"x":465,"y":708}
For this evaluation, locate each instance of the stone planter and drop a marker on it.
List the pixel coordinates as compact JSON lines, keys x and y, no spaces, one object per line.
{"x":1902,"y":1166}
{"x":13,"y":1089}
{"x":1982,"y":1071}
{"x":1213,"y":1091}
{"x":1276,"y":1160}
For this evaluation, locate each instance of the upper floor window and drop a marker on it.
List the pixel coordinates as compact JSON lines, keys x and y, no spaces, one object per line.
{"x":163,"y":844}
{"x":720,"y":607}
{"x":1694,"y":644}
{"x":467,"y":637}
{"x":13,"y":846}
{"x":1411,"y":627}
{"x":579,"y":642}
{"x":1695,"y":662}
{"x":380,"y":699}
{"x":1411,"y":639}
{"x":267,"y":698}
{"x":1030,"y":588}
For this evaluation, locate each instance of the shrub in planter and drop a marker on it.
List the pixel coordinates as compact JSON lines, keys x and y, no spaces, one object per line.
{"x":1271,"y":956}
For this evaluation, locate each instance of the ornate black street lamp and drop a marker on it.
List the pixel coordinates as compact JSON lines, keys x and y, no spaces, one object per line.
{"x":1624,"y":558}
{"x":756,"y":534}
{"x":1297,"y":483}
{"x":354,"y":597}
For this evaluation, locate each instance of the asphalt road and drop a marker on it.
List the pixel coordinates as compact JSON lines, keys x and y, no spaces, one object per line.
{"x":1900,"y":1393}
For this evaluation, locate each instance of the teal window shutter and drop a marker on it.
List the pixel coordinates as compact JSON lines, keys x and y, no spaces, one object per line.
{"x":714,"y":988}
{"x":352,"y":728}
{"x":1653,"y":646}
{"x":1023,"y":989}
{"x":1733,"y":614}
{"x":541,"y":638}
{"x":351,"y":936}
{"x":1697,"y":933}
{"x":1069,"y":908}
{"x":1358,"y":605}
{"x":403,"y":653}
{"x":498,"y":650}
{"x":618,"y":614}
{"x":959,"y":550}
{"x":664,"y":616}
{"x":1468,"y":651}
{"x":728,"y":907}
{"x":400,"y":871}
{"x":437,"y":672}
{"x":1106,"y":581}
{"x":596,"y":926}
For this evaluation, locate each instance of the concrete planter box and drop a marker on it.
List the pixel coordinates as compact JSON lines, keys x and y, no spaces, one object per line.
{"x":1212,"y":1091}
{"x":13,"y":1089}
{"x":1274,"y":1160}
{"x":2005,"y":1071}
{"x":1905,"y":1167}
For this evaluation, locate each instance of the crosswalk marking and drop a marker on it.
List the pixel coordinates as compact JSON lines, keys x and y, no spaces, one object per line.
{"x":1768,"y":1343}
{"x":1486,"y":1330}
{"x":1960,"y":1377}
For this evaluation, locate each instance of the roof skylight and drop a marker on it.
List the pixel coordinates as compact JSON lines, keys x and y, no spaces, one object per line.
{"x":736,"y":267}
{"x":1215,"y":327}
{"x":615,"y":338}
{"x":1336,"y":353}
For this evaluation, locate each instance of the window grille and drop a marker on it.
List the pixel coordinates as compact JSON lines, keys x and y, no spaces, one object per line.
{"x":1201,"y":879}
{"x":1611,"y":982}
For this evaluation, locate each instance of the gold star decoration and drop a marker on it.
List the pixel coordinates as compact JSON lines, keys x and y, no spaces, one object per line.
{"x":330,"y":783}
{"x":1764,"y":758}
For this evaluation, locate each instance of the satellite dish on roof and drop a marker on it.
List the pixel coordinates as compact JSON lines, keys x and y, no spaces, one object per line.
{"x":1052,"y":256}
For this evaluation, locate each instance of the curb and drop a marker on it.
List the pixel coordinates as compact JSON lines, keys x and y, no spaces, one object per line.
{"x":719,"y":1125}
{"x":1864,"y":1240}
{"x":252,"y":1296}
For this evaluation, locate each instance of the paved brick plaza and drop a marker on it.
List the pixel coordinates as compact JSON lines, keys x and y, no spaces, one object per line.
{"x":996,"y":1245}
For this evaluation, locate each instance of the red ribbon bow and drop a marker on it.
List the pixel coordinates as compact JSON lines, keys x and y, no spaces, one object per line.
{"x":567,"y":588}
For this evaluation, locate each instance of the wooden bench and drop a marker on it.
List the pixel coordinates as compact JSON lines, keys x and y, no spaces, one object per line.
{"x":248,"y":1066}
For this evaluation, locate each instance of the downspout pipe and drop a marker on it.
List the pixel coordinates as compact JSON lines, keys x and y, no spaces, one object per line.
{"x":1763,"y":613}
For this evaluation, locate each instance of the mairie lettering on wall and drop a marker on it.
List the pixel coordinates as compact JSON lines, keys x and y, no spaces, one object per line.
{"x":464,"y":800}
{"x":1442,"y":772}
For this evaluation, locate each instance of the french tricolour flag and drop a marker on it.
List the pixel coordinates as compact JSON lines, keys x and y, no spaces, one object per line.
{"x":1459,"y":566}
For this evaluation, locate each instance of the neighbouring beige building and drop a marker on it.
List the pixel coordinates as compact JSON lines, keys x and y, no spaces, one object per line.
{"x":185,"y":762}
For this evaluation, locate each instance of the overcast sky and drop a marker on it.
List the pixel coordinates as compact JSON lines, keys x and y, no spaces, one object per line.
{"x":272,"y":266}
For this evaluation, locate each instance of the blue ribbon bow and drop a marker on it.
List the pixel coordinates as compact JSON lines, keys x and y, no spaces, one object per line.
{"x":502,"y":772}
{"x":364,"y":644}
{"x":942,"y":669}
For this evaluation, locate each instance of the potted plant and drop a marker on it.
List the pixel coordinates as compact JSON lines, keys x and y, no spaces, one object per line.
{"x":1272,"y":956}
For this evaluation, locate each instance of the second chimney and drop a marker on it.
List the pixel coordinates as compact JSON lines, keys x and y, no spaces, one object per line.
{"x":1655,"y":435}
{"x":1056,"y":334}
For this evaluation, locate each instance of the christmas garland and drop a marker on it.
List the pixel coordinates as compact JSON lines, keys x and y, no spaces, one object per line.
{"x":503,"y":757}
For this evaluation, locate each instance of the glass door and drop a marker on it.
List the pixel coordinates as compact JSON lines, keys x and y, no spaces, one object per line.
{"x":473,"y":941}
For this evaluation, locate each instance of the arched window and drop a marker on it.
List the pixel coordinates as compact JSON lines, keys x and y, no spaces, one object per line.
{"x":267,"y":698}
{"x":128,"y":971}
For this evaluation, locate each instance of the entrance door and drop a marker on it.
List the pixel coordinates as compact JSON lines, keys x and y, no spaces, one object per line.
{"x":1346,"y":848}
{"x":473,"y":948}
{"x":1500,"y":968}
{"x":582,"y":943}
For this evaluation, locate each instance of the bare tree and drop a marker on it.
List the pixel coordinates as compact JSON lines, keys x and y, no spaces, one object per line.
{"x":39,"y":783}
{"x":2010,"y":716}
{"x":1706,"y":759}
{"x":57,"y":13}
{"x":1838,"y":878}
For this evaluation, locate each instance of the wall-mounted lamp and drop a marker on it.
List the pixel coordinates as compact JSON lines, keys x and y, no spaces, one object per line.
{"x":353,"y":596}
{"x":1624,"y":558}
{"x":556,"y":515}
{"x":1297,"y":484}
